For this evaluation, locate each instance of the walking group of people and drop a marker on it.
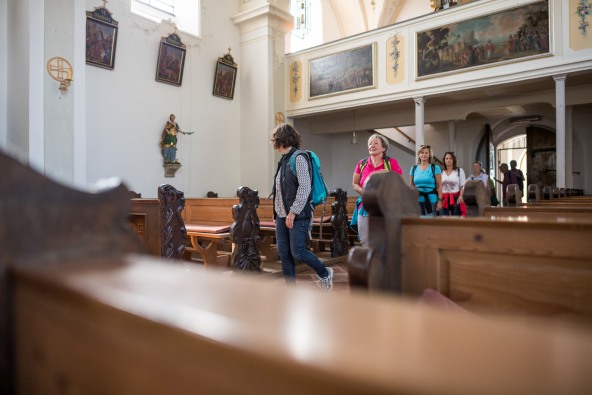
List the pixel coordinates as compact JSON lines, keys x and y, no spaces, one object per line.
{"x":440,"y":193}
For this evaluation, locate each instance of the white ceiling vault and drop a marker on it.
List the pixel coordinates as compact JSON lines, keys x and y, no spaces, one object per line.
{"x":357,"y":16}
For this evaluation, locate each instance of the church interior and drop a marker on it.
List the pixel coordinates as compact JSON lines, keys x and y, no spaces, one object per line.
{"x":138,"y":249}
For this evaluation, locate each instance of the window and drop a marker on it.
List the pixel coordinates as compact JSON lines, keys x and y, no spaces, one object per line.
{"x":166,"y":6}
{"x":183,"y":13}
{"x":308,"y":24}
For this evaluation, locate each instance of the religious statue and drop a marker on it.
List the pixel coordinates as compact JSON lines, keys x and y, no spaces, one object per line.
{"x":168,"y":140}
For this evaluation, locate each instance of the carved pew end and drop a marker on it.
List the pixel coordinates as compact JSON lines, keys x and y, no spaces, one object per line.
{"x":534,"y":193}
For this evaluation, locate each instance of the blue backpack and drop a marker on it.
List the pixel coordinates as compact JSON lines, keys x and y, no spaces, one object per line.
{"x":319,"y":188}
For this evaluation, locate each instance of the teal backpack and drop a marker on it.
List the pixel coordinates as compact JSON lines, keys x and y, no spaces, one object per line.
{"x":319,"y":188}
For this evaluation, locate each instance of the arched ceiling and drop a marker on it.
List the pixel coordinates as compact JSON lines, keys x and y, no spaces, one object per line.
{"x":357,"y":16}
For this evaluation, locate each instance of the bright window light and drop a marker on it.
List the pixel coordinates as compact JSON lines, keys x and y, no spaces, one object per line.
{"x":183,"y":13}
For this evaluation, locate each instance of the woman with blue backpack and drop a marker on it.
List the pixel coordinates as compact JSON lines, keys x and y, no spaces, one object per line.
{"x":377,"y":161}
{"x":427,"y":178}
{"x":292,"y":208}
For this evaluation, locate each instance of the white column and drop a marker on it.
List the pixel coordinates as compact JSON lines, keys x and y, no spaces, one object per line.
{"x":78,"y":91}
{"x":3,"y":71}
{"x":560,"y":129}
{"x":419,"y":121}
{"x":452,"y":136}
{"x":261,"y":67}
{"x":569,"y":147}
{"x":36,"y":75}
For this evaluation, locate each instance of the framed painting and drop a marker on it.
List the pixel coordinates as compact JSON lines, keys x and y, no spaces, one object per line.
{"x":101,"y":38}
{"x":225,"y":77}
{"x":507,"y":36}
{"x":171,"y":60}
{"x":342,"y":72}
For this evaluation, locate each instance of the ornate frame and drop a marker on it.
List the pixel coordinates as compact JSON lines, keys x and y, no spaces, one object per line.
{"x":101,"y":38}
{"x":506,"y":36}
{"x":171,"y":60}
{"x":342,"y":72}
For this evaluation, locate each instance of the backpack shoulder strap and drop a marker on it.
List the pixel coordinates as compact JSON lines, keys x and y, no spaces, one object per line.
{"x":293,"y":159}
{"x":413,"y":171}
{"x":363,"y":164}
{"x":387,"y":163}
{"x":434,"y":175}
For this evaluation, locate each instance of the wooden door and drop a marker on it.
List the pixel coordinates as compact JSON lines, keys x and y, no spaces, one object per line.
{"x":541,"y":159}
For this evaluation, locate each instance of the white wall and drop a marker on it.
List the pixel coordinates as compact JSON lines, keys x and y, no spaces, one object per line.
{"x":127,"y":109}
{"x":58,"y":119}
{"x":339,"y":156}
{"x":412,"y":9}
{"x":3,"y":70}
{"x":17,"y":123}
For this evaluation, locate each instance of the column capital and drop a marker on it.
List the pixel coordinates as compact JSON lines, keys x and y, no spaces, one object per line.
{"x":560,"y":77}
{"x":420,"y":100}
{"x":264,"y":15}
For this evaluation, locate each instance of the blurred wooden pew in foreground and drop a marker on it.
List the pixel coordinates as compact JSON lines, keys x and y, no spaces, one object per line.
{"x":82,"y":314}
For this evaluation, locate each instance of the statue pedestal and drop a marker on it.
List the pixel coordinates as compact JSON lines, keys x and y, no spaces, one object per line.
{"x":170,"y":169}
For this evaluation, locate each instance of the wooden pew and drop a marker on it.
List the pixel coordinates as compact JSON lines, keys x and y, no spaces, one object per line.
{"x":244,"y":231}
{"x":145,"y":219}
{"x":89,"y":318}
{"x":568,"y":207}
{"x":541,"y":212}
{"x":208,"y":222}
{"x":331,"y":224}
{"x":531,"y":268}
{"x":476,"y":197}
{"x":158,"y":222}
{"x":333,"y":230}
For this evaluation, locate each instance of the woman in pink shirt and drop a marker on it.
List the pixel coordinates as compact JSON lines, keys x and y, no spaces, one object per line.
{"x":377,"y":161}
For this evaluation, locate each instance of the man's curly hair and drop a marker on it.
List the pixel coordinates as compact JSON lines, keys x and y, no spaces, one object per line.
{"x":285,"y":135}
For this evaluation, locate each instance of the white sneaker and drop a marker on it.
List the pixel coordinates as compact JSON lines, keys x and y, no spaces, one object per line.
{"x":326,"y":284}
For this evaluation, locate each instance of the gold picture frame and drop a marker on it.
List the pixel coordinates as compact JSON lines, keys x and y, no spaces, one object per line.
{"x":347,"y":71}
{"x":506,"y":36}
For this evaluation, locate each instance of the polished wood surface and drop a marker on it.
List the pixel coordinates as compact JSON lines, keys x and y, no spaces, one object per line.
{"x":137,"y":326}
{"x":522,"y":266}
{"x":82,"y":315}
{"x":145,"y":218}
{"x":504,"y":266}
{"x":43,"y":222}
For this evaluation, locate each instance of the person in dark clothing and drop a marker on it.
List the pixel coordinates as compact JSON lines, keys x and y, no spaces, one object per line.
{"x":292,"y":208}
{"x":509,"y":179}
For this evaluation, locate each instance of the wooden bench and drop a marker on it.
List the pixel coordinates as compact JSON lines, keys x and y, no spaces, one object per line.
{"x":158,"y":222}
{"x":531,"y":212}
{"x":329,"y":228}
{"x":79,"y":314}
{"x":145,"y":219}
{"x":570,"y":207}
{"x":531,"y":268}
{"x":208,"y":222}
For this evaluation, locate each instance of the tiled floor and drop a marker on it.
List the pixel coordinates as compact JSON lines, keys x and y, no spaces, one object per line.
{"x":305,"y":276}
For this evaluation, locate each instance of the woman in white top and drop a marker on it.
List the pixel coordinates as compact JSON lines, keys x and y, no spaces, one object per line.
{"x":453,"y":182}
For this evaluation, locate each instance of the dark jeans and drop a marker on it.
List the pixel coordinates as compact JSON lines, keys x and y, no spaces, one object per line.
{"x":291,"y":245}
{"x":423,"y":210}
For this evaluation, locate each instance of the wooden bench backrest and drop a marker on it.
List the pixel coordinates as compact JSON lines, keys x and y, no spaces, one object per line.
{"x":145,"y":219}
{"x":87,"y":318}
{"x":527,"y":268}
{"x":265,"y":211}
{"x":541,"y":212}
{"x":502,"y":267}
{"x":209,"y":211}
